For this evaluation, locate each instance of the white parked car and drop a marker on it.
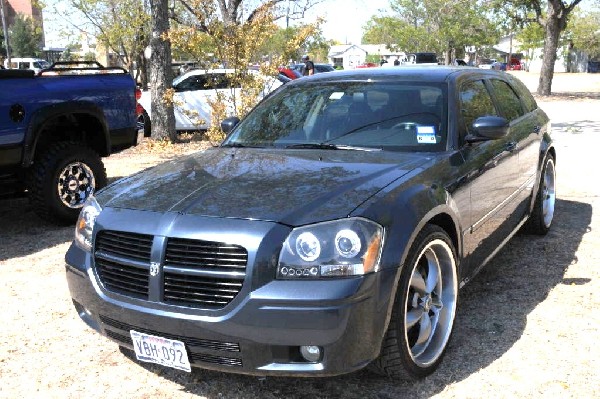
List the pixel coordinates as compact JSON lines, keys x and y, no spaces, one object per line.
{"x":193,"y":92}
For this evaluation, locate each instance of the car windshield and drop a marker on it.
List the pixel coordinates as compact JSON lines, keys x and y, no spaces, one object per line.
{"x":348,"y":115}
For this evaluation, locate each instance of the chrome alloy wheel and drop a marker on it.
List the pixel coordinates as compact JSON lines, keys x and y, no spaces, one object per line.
{"x":431,"y":303}
{"x":548,"y":192}
{"x":76,"y":183}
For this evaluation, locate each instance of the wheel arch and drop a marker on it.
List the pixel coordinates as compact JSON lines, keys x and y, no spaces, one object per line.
{"x":70,"y":121}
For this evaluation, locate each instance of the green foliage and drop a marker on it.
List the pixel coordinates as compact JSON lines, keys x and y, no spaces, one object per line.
{"x":433,"y":25}
{"x":123,"y":26}
{"x":2,"y":44}
{"x":214,"y":37}
{"x":25,"y":37}
{"x":67,"y":55}
{"x":584,"y":33}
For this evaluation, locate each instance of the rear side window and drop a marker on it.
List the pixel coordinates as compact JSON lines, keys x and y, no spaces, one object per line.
{"x":525,"y":95}
{"x":508,"y":101}
{"x":475,"y":102}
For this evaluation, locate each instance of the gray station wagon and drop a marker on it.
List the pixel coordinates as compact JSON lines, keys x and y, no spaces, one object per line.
{"x":331,"y":229}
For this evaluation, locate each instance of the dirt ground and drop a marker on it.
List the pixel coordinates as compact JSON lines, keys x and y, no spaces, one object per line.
{"x":527,"y":326}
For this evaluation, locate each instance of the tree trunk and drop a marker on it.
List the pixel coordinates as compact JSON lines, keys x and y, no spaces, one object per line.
{"x":162,"y":116}
{"x":549,"y":55}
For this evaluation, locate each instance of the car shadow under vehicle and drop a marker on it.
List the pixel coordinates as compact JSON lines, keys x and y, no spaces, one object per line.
{"x":492,"y":316}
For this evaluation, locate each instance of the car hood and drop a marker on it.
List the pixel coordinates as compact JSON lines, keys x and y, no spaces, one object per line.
{"x":288,"y":186}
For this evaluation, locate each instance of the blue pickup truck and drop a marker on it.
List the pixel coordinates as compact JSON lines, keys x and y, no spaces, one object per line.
{"x":54,"y":129}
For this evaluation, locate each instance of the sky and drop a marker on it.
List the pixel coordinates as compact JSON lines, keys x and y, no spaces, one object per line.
{"x":344,"y":19}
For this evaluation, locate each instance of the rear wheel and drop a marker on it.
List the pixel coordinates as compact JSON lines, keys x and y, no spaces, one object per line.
{"x":143,"y":124}
{"x":62,"y":179}
{"x":543,"y":210}
{"x":424,"y":309}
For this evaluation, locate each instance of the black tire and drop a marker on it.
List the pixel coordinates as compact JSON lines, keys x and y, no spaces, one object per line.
{"x":402,"y":356}
{"x":541,"y":217}
{"x":62,"y":178}
{"x":143,"y":123}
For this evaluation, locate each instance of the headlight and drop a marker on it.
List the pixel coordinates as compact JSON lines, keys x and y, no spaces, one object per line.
{"x":341,"y":248}
{"x":85,"y":224}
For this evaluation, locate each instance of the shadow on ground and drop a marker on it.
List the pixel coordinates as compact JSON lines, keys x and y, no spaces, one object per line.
{"x":492,"y":316}
{"x":23,"y":233}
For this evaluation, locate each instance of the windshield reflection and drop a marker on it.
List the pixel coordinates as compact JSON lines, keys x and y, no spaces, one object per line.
{"x":349,"y":115}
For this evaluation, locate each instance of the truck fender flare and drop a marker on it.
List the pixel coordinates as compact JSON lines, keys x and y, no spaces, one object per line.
{"x":42,"y":116}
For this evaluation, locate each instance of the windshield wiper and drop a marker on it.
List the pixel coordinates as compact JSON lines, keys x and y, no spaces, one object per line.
{"x":240,"y":145}
{"x":315,"y":146}
{"x":329,"y":146}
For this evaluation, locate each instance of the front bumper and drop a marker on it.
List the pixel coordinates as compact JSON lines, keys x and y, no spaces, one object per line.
{"x":261,"y":331}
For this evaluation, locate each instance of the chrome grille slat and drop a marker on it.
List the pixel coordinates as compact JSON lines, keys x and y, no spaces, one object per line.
{"x":128,"y":245}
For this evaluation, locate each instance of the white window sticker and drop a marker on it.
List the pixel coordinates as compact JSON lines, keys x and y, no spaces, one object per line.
{"x":426,"y":135}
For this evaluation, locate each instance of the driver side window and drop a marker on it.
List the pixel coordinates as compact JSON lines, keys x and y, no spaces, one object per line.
{"x":475,"y":102}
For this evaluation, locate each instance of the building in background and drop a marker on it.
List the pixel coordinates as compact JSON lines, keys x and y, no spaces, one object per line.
{"x":28,"y":8}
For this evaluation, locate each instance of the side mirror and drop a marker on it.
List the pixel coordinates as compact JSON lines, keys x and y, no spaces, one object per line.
{"x":488,"y":128}
{"x":228,"y":124}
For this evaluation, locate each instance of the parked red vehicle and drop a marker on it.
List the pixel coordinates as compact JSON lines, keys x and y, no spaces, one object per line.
{"x":515,"y":64}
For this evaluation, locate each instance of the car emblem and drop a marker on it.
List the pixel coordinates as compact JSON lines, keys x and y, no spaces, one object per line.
{"x":154,"y":268}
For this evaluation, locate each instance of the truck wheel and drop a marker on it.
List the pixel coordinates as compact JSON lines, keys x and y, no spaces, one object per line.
{"x":62,"y":178}
{"x":424,"y":309}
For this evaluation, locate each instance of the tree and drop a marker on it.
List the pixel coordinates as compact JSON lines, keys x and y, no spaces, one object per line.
{"x":234,"y":34}
{"x":440,"y":26}
{"x":2,"y":45}
{"x":531,"y":38}
{"x":585,"y":33}
{"x":163,"y":119}
{"x":25,"y":37}
{"x":122,"y":26}
{"x":553,"y":20}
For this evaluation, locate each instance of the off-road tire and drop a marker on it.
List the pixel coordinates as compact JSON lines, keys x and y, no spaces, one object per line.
{"x":396,"y":359}
{"x":45,"y":175}
{"x":542,"y":215}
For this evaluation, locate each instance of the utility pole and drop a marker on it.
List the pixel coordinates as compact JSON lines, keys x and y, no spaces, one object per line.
{"x":5,"y":30}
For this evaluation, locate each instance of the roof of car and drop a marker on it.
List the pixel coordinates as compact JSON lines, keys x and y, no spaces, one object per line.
{"x":433,"y":73}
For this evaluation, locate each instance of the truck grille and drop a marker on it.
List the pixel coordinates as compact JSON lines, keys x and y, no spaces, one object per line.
{"x":199,"y":274}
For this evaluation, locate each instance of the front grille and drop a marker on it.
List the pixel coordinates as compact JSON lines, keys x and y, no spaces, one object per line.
{"x":203,"y":274}
{"x":206,"y":255}
{"x":123,"y":279}
{"x":119,"y":332}
{"x":127,"y":245}
{"x":122,"y":262}
{"x":196,"y":273}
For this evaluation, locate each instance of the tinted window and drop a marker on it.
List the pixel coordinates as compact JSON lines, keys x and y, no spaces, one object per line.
{"x":394,"y":117}
{"x":204,"y":82}
{"x":196,"y":82}
{"x":525,"y":95}
{"x":475,"y":102}
{"x":508,"y":101}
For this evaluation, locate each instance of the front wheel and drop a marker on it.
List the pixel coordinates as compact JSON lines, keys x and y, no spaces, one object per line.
{"x":424,"y":308}
{"x":62,"y":178}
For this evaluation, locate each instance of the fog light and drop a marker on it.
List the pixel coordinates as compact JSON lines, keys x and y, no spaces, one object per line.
{"x":311,"y":353}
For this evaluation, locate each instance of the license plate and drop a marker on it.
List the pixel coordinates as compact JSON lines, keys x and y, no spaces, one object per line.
{"x":159,"y":350}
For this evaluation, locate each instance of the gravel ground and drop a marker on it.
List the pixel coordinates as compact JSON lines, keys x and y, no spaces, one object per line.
{"x":527,"y":324}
